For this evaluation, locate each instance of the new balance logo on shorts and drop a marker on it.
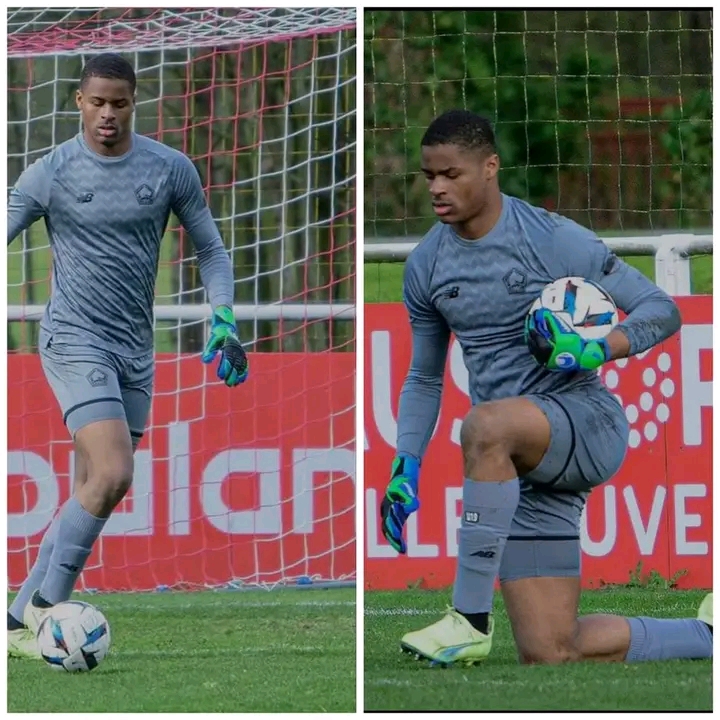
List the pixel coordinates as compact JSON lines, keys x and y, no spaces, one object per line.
{"x":85,"y":197}
{"x":451,"y":292}
{"x":484,"y":554}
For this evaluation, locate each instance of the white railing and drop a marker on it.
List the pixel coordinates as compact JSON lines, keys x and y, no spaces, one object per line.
{"x":672,"y":254}
{"x":288,"y":311}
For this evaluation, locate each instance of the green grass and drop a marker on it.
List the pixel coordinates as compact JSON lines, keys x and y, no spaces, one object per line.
{"x":394,"y":681}
{"x":279,"y":651}
{"x":383,"y":281}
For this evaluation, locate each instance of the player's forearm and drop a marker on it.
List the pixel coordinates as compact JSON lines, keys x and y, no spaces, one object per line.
{"x":418,"y":412}
{"x":651,"y":322}
{"x":419,"y":404}
{"x":216,"y":273}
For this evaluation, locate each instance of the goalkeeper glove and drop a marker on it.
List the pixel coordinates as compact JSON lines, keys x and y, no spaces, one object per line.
{"x":233,"y":365}
{"x":400,"y":500}
{"x":557,"y":346}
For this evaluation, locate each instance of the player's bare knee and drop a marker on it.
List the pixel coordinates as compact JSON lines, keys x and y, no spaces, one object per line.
{"x":482,"y":438}
{"x":113,"y":478}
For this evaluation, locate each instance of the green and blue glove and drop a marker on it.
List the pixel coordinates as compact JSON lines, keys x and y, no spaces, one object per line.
{"x":400,"y":500}
{"x":556,"y":346}
{"x":233,"y":365}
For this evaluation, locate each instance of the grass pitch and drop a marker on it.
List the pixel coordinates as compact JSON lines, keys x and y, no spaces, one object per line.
{"x":279,"y":651}
{"x":394,"y":681}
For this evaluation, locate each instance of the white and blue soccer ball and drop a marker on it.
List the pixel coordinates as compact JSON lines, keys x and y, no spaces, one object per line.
{"x":73,"y":636}
{"x":581,"y":304}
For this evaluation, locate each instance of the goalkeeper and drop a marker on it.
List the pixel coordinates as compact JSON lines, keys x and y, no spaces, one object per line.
{"x":106,"y":196}
{"x":539,"y":437}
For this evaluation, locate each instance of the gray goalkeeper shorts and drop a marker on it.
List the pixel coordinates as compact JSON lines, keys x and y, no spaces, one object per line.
{"x":91,"y":384}
{"x":588,"y":442}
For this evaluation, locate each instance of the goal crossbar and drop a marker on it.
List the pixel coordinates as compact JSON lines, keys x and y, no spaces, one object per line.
{"x":164,"y":28}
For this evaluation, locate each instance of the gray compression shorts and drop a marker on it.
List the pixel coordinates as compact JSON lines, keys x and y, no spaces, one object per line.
{"x":91,"y":384}
{"x":588,"y":442}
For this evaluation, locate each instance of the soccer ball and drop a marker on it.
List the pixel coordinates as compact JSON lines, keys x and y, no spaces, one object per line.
{"x":73,"y":636}
{"x":581,"y":305}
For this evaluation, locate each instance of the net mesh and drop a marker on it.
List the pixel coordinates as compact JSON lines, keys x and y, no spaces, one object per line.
{"x":604,"y":116}
{"x":263,"y":101}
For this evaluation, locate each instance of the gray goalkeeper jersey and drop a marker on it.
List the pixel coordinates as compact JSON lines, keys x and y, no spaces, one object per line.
{"x":105,"y":217}
{"x":481,"y":291}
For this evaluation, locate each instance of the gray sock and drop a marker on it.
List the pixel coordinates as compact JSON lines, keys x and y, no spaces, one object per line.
{"x":656,"y":639}
{"x":38,"y":572}
{"x":488,"y":510}
{"x":76,"y":534}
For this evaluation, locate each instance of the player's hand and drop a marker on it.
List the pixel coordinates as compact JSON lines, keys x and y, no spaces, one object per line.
{"x":557,"y":346}
{"x":400,"y":500}
{"x":233,"y":365}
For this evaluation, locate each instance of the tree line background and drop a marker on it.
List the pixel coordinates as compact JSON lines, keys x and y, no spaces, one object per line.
{"x":603,"y":115}
{"x":271,"y":128}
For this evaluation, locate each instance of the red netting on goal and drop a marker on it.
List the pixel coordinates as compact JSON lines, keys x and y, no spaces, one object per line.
{"x":260,"y":490}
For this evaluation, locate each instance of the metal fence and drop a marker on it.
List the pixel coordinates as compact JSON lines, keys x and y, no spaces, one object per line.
{"x":672,"y":253}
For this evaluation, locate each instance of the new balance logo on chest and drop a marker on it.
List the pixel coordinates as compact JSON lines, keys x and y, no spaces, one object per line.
{"x":85,"y":197}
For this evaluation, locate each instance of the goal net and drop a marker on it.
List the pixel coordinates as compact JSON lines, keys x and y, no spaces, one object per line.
{"x":602,"y":116}
{"x":247,"y":487}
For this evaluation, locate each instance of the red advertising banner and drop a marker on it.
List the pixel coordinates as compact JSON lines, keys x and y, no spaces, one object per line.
{"x":253,"y":483}
{"x":657,"y":511}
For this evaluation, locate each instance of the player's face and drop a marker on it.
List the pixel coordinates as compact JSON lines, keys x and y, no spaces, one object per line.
{"x":106,"y":106}
{"x":459,"y":180}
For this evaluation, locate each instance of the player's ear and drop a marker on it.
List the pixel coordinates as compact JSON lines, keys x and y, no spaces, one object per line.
{"x":492,"y":165}
{"x":78,"y":99}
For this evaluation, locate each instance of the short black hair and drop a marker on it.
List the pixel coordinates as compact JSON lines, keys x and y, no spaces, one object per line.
{"x":111,"y":66}
{"x":461,"y":127}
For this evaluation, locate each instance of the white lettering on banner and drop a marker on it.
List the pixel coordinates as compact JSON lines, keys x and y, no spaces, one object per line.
{"x":461,"y":378}
{"x":453,"y":496}
{"x":685,"y":520}
{"x":140,"y":519}
{"x":645,"y":536}
{"x":32,"y":520}
{"x":603,"y":547}
{"x":645,"y":533}
{"x":179,"y":478}
{"x":266,"y":520}
{"x":414,"y":548}
{"x":307,"y":462}
{"x":372,"y":513}
{"x":696,"y":393}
